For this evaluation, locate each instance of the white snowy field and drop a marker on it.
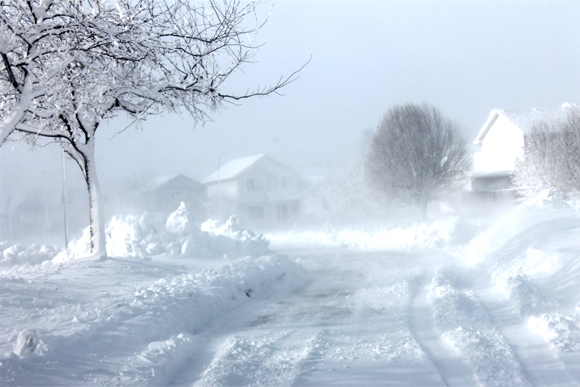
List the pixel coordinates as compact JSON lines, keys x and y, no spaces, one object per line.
{"x":454,"y":302}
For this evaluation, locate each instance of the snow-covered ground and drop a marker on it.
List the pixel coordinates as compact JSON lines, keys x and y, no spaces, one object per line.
{"x":454,"y":302}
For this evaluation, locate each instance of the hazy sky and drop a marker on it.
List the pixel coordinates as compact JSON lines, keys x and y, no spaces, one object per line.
{"x":465,"y":57}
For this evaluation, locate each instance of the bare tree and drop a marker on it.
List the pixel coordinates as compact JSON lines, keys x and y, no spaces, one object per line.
{"x":70,"y":65}
{"x":416,"y":155}
{"x":551,"y":157}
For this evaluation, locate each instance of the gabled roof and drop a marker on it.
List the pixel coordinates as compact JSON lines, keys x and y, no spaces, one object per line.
{"x":525,"y":119}
{"x":160,"y":181}
{"x":232,"y":169}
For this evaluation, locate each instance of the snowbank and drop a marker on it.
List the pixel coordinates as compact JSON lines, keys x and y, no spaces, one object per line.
{"x":140,"y":333}
{"x":532,"y":256}
{"x":514,"y":223}
{"x":148,"y":235}
{"x":21,"y":255}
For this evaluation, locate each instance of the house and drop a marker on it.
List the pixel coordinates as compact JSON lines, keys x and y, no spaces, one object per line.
{"x":257,"y":188}
{"x":165,"y":194}
{"x":500,"y":144}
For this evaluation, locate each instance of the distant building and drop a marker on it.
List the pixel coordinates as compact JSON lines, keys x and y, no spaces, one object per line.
{"x":165,"y":193}
{"x":501,"y":144}
{"x":260,"y":190}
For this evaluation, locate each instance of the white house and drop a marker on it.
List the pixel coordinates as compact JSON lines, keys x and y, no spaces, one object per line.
{"x":501,"y":142}
{"x":262,"y":191}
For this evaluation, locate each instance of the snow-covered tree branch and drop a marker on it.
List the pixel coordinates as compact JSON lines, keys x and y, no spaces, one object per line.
{"x":551,"y":157}
{"x":67,"y":66}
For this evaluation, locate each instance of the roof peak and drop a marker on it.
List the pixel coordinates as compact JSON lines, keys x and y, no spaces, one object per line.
{"x":232,"y":168}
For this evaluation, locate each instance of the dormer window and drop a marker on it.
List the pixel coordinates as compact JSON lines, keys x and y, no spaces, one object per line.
{"x":254,"y":185}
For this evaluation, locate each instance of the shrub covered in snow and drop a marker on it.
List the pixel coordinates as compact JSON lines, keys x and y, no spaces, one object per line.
{"x":152,"y":234}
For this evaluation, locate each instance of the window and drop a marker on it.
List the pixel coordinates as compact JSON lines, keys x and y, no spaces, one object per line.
{"x":256,"y":212}
{"x":255,"y":185}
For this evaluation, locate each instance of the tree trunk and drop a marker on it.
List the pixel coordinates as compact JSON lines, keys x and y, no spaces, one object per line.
{"x":96,"y":215}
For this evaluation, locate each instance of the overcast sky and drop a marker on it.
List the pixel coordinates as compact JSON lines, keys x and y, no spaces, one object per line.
{"x":465,"y":57}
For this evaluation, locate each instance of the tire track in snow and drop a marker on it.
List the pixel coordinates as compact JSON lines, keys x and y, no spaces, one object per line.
{"x":452,"y":370}
{"x":274,"y":359}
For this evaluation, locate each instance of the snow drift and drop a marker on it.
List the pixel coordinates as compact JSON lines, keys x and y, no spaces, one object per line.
{"x":74,"y":322}
{"x":417,"y":236}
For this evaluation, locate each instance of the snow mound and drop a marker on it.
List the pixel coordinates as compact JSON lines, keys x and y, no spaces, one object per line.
{"x":413,"y":237}
{"x":20,"y":255}
{"x":531,"y":257}
{"x":28,"y":343}
{"x":138,"y":236}
{"x":512,"y":224}
{"x":526,"y":296}
{"x":150,"y":234}
{"x":231,"y":232}
{"x":181,"y":222}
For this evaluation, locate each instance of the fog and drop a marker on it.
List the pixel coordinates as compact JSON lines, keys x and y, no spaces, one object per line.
{"x":465,"y":58}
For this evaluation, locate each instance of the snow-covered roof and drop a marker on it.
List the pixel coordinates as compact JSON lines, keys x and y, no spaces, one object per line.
{"x":525,"y":119}
{"x":160,"y":181}
{"x":233,"y":168}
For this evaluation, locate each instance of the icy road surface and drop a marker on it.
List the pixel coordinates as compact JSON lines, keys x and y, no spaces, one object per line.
{"x":501,"y":310}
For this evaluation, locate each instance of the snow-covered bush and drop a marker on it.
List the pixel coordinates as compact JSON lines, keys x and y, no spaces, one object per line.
{"x":151,"y":234}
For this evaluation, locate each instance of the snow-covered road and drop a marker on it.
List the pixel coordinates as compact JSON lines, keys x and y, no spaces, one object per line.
{"x":378,"y":319}
{"x":502,"y":310}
